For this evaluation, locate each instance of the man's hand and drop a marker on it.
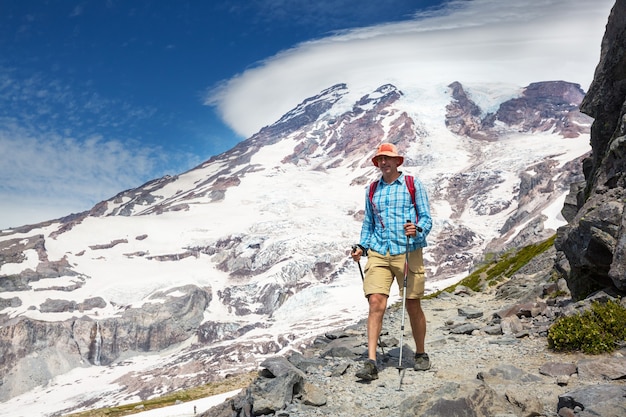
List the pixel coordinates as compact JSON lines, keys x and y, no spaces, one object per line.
{"x":356,"y":253}
{"x":410,"y":229}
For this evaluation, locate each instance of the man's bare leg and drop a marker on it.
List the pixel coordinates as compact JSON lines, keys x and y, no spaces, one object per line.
{"x":418,"y":323}
{"x":377,"y":306}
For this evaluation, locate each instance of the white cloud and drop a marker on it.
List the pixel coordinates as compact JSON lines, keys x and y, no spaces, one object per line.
{"x":469,"y":41}
{"x":47,"y":175}
{"x":64,"y":149}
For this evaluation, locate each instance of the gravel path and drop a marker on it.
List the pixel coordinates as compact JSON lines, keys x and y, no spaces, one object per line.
{"x":454,"y":358}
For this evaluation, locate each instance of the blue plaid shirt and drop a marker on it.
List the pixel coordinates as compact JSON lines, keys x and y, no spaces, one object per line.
{"x":383,"y":229}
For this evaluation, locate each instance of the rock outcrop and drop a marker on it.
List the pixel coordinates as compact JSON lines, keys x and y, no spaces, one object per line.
{"x":36,"y":351}
{"x":594,"y":241}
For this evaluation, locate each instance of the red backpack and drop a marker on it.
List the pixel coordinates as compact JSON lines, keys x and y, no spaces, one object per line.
{"x":410,"y":185}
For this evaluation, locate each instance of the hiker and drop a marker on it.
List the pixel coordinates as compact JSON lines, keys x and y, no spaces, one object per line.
{"x":388,"y":206}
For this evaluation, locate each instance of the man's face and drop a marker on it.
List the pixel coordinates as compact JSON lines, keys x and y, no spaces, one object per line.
{"x":387,"y":163}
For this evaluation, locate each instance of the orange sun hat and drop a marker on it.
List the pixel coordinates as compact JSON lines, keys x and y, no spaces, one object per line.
{"x":387,"y":149}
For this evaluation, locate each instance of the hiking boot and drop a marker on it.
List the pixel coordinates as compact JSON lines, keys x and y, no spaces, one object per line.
{"x":422,"y":362}
{"x":368,"y":372}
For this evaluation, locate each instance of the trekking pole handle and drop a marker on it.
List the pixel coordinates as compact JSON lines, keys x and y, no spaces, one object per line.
{"x":354,"y":247}
{"x":417,"y":228}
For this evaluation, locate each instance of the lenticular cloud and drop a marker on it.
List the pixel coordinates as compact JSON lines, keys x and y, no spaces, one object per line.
{"x":469,"y":41}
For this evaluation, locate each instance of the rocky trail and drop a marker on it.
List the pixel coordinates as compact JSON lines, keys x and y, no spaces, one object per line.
{"x":489,"y":356}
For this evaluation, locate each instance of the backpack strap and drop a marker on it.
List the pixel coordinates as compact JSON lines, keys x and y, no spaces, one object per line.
{"x":372,"y":191}
{"x":371,"y":199}
{"x":410,"y":184}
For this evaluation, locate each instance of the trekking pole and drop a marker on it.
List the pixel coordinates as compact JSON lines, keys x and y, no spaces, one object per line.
{"x":380,"y":343}
{"x":404,"y":285}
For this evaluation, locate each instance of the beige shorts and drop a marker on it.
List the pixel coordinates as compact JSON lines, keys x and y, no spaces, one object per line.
{"x":381,"y":270}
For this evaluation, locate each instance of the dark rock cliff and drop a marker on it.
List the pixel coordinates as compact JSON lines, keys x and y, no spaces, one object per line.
{"x":594,"y":241}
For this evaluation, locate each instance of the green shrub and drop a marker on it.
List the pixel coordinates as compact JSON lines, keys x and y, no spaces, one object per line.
{"x":498,"y":268}
{"x":594,"y":331}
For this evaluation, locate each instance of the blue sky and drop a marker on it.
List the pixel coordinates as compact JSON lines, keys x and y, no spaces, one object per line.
{"x":100,"y":96}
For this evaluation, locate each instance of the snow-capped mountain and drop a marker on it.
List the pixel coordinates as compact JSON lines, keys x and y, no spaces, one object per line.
{"x":188,"y":278}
